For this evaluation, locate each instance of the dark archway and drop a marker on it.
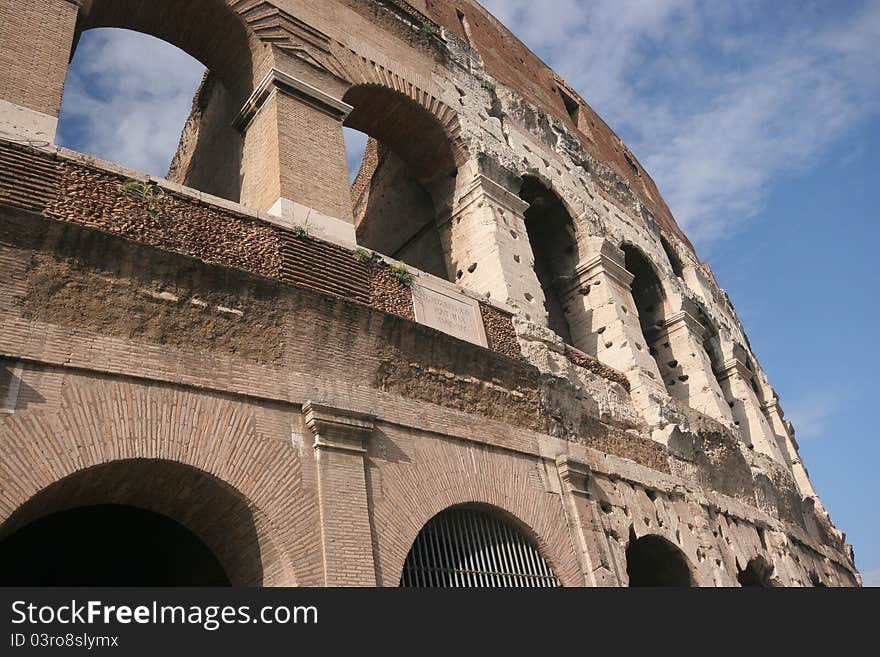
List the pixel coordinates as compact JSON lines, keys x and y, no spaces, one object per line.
{"x":406,"y":178}
{"x":758,"y":572}
{"x":552,"y":238}
{"x":475,"y":547}
{"x":653,"y":561}
{"x":210,"y":523}
{"x":107,"y":545}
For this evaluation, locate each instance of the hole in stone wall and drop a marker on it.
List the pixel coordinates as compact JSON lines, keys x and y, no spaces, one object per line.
{"x":571,"y":105}
{"x":674,"y":260}
{"x":758,"y":572}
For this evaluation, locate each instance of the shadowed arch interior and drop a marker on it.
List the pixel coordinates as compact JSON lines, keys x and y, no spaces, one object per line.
{"x":552,"y":238}
{"x":180,"y":502}
{"x":758,"y":572}
{"x":653,"y":561}
{"x":476,"y":547}
{"x":107,"y":545}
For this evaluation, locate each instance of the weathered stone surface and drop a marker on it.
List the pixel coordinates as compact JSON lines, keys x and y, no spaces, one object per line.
{"x":169,"y":345}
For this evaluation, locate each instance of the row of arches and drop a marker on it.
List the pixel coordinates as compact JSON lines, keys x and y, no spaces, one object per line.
{"x":404,"y":190}
{"x":113,"y":525}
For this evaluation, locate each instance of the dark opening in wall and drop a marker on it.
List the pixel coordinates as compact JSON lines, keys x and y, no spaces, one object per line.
{"x":674,"y":260}
{"x":107,"y":545}
{"x":654,"y":561}
{"x":571,"y":105}
{"x":756,"y":573}
{"x":649,"y":298}
{"x":552,"y":238}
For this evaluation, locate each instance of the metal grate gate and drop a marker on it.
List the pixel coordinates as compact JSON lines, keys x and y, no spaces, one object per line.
{"x":468,"y":548}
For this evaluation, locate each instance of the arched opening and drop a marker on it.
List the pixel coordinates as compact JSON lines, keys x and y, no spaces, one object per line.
{"x":405,"y":181}
{"x":107,"y":545}
{"x":650,"y":300}
{"x":477,"y":548}
{"x":133,"y":522}
{"x":758,"y":572}
{"x":674,"y":260}
{"x":552,"y":238}
{"x":128,"y":95}
{"x":653,"y":561}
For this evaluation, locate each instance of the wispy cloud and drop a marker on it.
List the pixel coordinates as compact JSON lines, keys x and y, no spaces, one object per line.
{"x":127,"y":98}
{"x":813,"y":414}
{"x":718,"y":100}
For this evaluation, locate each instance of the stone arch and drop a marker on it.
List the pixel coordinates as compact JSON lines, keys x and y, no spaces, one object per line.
{"x":652,"y":560}
{"x":758,"y":572}
{"x":201,"y":503}
{"x":650,"y":299}
{"x":408,"y":493}
{"x":211,"y":31}
{"x":212,"y":154}
{"x":406,"y":181}
{"x":102,"y":422}
{"x":476,"y":537}
{"x":362,"y":72}
{"x":553,"y":239}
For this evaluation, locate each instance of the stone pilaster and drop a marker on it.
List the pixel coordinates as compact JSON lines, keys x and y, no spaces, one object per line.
{"x":590,"y":539}
{"x":736,"y":383}
{"x":603,"y":321}
{"x":36,"y":38}
{"x":787,"y":443}
{"x":293,"y":162}
{"x":685,"y":365}
{"x":346,"y":537}
{"x":488,"y":247}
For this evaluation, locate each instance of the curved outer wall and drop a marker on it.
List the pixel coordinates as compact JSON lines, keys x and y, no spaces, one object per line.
{"x":339,"y":404}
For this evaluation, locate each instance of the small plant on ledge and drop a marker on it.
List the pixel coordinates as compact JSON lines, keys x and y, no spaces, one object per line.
{"x":363,"y":255}
{"x":428,"y":31}
{"x":400,"y":272}
{"x":301,"y":231}
{"x":152,"y":196}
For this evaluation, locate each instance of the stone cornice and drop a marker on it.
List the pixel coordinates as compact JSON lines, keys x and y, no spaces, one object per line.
{"x":734,"y":367}
{"x":338,"y":429}
{"x":484,"y":188}
{"x":276,"y":80}
{"x":682,"y":321}
{"x":602,"y":263}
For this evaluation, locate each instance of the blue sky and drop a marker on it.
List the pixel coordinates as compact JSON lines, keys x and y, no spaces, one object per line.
{"x":758,"y":120}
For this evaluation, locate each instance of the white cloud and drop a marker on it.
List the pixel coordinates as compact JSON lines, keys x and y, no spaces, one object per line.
{"x":813,"y":414}
{"x":719,"y":101}
{"x":355,"y":145}
{"x":127,"y":97}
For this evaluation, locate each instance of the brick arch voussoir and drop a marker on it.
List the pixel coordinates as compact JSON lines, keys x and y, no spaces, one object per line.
{"x":360,"y":70}
{"x":106,"y":421}
{"x":447,"y":476}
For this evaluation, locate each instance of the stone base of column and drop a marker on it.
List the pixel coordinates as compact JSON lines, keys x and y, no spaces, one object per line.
{"x":21,"y":124}
{"x":291,"y":214}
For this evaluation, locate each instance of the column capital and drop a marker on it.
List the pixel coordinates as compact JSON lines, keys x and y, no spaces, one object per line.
{"x":606,"y":263}
{"x":481,"y":187}
{"x":276,"y":80}
{"x":682,"y":321}
{"x":338,"y":429}
{"x":734,"y":367}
